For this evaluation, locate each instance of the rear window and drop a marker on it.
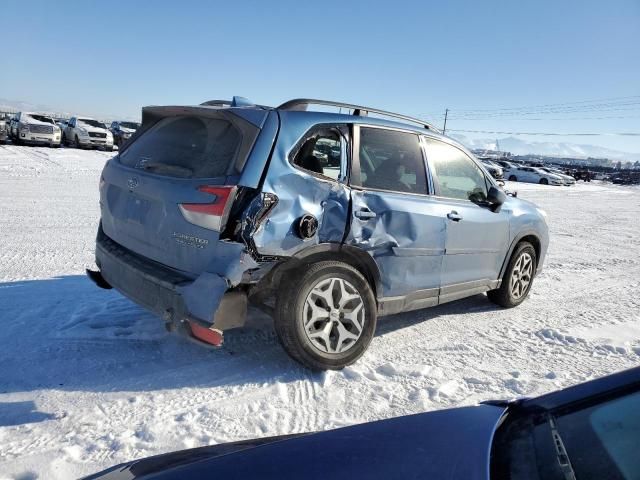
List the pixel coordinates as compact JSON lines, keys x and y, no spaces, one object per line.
{"x":187,"y":146}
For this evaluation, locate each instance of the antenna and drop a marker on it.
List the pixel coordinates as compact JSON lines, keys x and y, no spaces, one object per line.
{"x":446,"y":113}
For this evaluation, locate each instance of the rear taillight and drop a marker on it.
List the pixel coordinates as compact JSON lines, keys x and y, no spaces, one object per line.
{"x":211,"y":215}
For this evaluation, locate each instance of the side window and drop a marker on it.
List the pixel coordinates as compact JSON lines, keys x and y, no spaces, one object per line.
{"x":455,"y":174}
{"x":391,"y":160}
{"x":321,"y":153}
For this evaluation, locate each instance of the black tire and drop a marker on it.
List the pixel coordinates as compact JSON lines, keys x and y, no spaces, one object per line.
{"x":544,"y":181}
{"x":289,"y":315}
{"x":503,"y":296}
{"x":76,"y":143}
{"x":513,"y":178}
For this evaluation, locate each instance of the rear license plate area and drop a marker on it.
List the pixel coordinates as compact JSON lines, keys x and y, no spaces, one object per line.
{"x":137,"y":209}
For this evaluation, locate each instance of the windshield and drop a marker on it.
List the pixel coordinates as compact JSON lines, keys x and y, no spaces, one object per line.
{"x":42,"y":118}
{"x":88,"y":122}
{"x":131,"y":125}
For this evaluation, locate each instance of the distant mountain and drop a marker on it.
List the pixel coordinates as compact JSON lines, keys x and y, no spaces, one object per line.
{"x":20,"y":106}
{"x":551,"y":149}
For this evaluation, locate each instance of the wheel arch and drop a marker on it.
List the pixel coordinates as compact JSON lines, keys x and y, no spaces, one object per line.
{"x":528,"y":236}
{"x":353,"y":256}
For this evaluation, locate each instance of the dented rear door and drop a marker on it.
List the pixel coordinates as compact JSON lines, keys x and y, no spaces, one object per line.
{"x":323,"y":197}
{"x":394,"y":217}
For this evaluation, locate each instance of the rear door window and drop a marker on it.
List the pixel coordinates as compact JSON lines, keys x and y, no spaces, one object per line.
{"x":187,"y":147}
{"x":321,"y":152}
{"x":391,"y":160}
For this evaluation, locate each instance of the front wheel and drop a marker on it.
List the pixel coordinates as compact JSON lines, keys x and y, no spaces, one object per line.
{"x":517,"y":279}
{"x":513,"y":178}
{"x":544,"y":181}
{"x":325,"y":315}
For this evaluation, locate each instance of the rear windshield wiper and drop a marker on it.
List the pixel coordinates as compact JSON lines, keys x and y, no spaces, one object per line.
{"x":561,"y":451}
{"x":168,"y":169}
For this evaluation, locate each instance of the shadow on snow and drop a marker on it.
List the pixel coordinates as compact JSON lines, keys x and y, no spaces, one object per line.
{"x":66,"y":334}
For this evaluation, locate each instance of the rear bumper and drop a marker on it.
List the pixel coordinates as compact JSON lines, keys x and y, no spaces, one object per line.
{"x":205,"y":301}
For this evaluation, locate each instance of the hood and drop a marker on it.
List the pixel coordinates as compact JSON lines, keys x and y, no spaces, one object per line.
{"x":126,"y":130}
{"x":453,"y":444}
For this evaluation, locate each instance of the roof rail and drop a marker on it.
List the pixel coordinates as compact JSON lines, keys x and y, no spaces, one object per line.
{"x":301,"y":104}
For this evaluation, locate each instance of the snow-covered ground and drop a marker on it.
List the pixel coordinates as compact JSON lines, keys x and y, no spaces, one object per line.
{"x":88,"y":379}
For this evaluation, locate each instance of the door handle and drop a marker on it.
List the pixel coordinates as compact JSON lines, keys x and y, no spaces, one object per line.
{"x":454,"y":216}
{"x":364,"y":214}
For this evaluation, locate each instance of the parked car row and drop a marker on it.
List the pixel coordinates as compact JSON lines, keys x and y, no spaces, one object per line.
{"x":30,"y":128}
{"x":543,"y":175}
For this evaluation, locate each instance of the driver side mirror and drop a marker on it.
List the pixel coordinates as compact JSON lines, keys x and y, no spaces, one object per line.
{"x":495,"y":198}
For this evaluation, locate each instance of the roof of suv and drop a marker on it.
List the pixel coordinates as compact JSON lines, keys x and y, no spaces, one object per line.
{"x":357,"y":113}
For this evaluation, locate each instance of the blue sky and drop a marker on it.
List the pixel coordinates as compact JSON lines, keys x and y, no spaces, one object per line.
{"x":110,"y":58}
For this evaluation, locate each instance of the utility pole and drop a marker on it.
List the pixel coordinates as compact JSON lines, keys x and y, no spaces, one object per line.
{"x":446,"y":113}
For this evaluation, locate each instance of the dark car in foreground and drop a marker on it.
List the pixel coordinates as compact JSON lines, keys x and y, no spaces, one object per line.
{"x":587,"y":432}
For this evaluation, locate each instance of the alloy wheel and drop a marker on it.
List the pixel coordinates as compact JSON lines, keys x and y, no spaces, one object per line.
{"x":521,"y":276}
{"x":333,"y":315}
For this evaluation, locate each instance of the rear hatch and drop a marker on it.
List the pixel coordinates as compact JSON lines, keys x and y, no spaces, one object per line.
{"x":166,"y":195}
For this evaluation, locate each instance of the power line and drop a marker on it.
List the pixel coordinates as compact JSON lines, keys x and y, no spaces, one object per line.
{"x":553,"y":119}
{"x":591,"y":134}
{"x":576,"y":104}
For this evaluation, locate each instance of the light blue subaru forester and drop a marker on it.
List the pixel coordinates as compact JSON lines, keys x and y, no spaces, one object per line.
{"x":324,"y":220}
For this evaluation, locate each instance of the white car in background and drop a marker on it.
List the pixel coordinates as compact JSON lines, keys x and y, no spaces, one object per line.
{"x":84,"y":132}
{"x":568,"y":179}
{"x":507,"y":168}
{"x":534,"y":175}
{"x":34,"y":129}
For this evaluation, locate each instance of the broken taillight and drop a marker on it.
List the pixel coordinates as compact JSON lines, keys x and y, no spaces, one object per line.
{"x":211,"y":215}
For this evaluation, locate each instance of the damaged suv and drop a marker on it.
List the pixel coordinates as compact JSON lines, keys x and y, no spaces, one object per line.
{"x":324,"y":220}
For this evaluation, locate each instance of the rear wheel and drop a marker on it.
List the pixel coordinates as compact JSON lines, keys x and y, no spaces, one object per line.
{"x":544,"y":181}
{"x":517,"y":279}
{"x":513,"y":178}
{"x":325,"y":315}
